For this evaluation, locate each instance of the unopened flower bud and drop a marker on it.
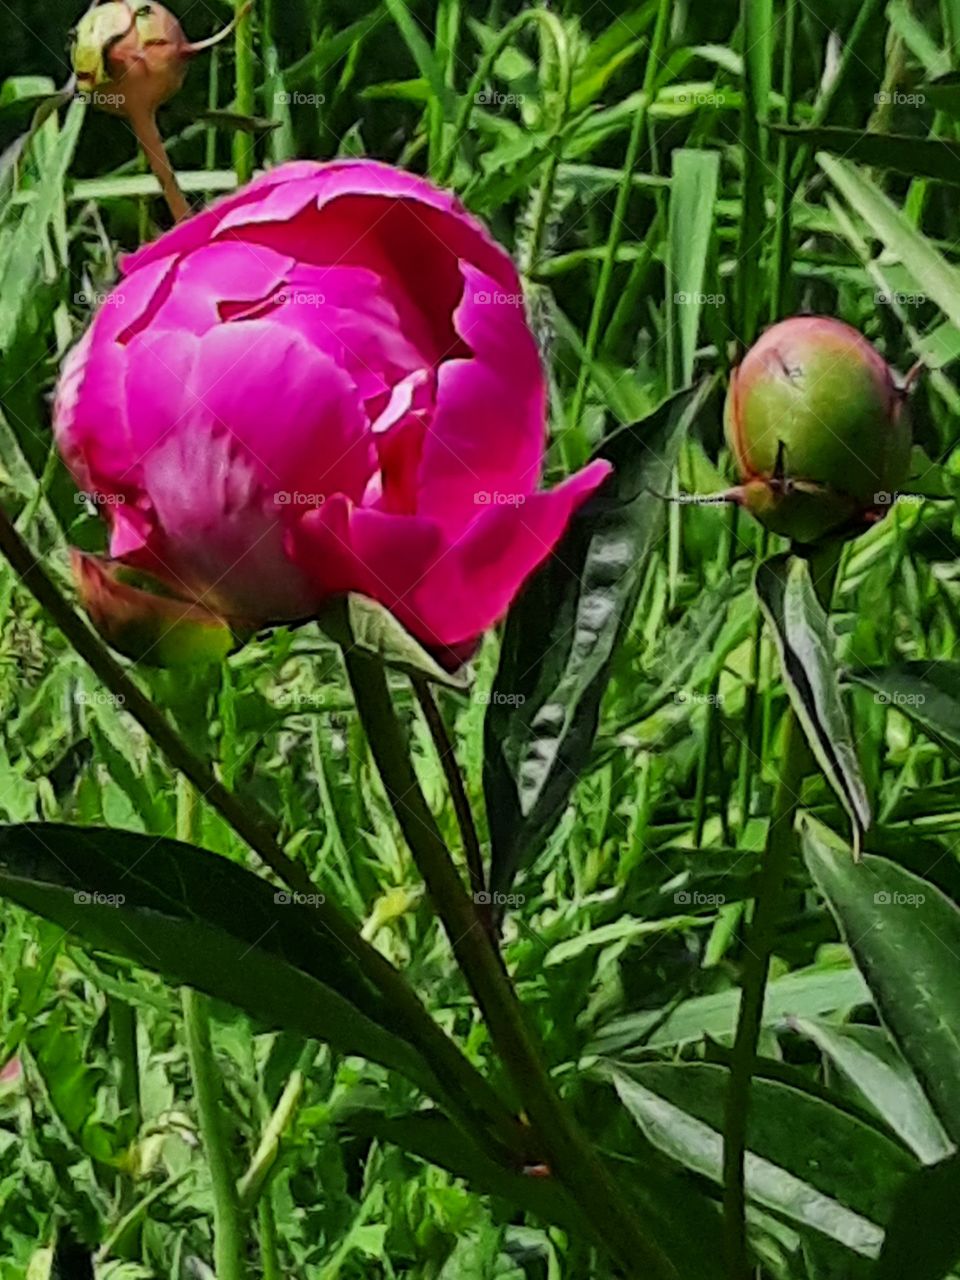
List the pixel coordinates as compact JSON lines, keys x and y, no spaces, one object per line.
{"x":130,"y":57}
{"x":818,"y":429}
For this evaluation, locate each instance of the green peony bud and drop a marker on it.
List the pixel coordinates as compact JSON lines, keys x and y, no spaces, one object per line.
{"x":818,"y":428}
{"x":141,"y":620}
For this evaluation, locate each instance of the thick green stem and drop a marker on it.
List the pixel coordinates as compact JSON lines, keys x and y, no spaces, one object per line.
{"x":243,"y":143}
{"x":228,"y":1231}
{"x":759,"y":945}
{"x":228,"y":1228}
{"x":571,"y":1158}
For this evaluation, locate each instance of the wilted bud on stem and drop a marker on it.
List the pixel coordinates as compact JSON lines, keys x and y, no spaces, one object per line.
{"x":818,"y":428}
{"x":131,"y":58}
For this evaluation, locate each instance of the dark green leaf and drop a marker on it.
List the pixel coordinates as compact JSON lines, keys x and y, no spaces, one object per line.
{"x":905,"y":937}
{"x":199,"y":919}
{"x":805,"y":644}
{"x":923,"y":1232}
{"x":807,"y":1160}
{"x":683,"y":1220}
{"x":561,"y":635}
{"x":937,"y":158}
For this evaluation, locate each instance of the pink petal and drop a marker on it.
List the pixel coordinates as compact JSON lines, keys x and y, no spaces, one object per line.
{"x":288,"y":404}
{"x":219,"y":537}
{"x":225,"y":273}
{"x":447,"y":594}
{"x":347,"y":312}
{"x":472,"y":585}
{"x":486,"y":440}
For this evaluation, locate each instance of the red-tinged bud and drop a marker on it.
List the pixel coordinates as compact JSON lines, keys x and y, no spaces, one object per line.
{"x":129,"y":58}
{"x":140,"y":620}
{"x":818,"y":428}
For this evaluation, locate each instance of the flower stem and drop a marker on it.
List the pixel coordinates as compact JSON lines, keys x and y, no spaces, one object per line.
{"x":228,"y":1232}
{"x":458,"y":792}
{"x":572,"y":1159}
{"x":759,"y":945}
{"x":243,"y":144}
{"x":144,"y":125}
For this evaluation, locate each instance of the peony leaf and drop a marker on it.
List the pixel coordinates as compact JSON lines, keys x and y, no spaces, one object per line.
{"x":808,"y":1160}
{"x":923,"y":1232}
{"x":561,"y":635}
{"x":199,"y":919}
{"x":805,"y":644}
{"x":905,"y":937}
{"x":928,"y":693}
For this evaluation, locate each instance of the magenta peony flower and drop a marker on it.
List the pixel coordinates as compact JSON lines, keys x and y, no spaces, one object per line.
{"x":324,"y":383}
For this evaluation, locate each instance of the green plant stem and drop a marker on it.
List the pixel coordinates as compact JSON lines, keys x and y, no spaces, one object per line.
{"x":458,"y":792}
{"x":759,"y":944}
{"x":618,"y":222}
{"x":761,"y":937}
{"x":470,"y":1098}
{"x":277,"y":1124}
{"x":782,"y":258}
{"x":571,"y":1158}
{"x":269,"y":1240}
{"x":228,"y":1228}
{"x":243,"y":145}
{"x":228,"y":1232}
